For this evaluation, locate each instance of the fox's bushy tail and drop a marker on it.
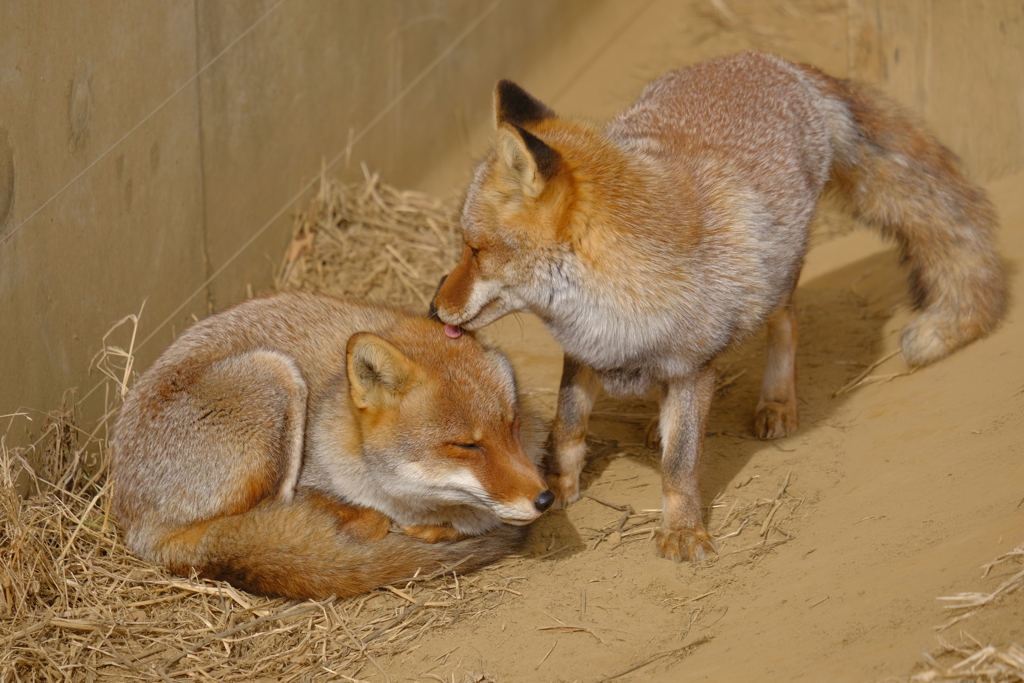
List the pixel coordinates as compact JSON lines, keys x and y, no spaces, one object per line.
{"x":294,"y":549}
{"x":892,"y":173}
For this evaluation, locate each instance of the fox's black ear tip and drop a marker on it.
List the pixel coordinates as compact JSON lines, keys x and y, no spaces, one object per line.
{"x":507,"y":94}
{"x":516,"y":106}
{"x":505,"y":85}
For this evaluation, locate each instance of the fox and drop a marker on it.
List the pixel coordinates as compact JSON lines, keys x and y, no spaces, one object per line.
{"x":649,"y":245}
{"x":306,"y":446}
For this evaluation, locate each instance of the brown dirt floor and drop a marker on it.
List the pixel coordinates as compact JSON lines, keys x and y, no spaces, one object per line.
{"x":898,"y":491}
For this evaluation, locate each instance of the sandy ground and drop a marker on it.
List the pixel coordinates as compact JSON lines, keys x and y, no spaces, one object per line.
{"x":897,"y":493}
{"x":837,"y":541}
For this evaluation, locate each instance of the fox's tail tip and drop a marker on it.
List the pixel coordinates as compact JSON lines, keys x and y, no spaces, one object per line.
{"x":926,"y":339}
{"x":933,"y":335}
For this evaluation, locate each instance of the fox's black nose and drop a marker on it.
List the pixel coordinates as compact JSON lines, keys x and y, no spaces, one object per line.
{"x":544,"y":501}
{"x":432,"y":313}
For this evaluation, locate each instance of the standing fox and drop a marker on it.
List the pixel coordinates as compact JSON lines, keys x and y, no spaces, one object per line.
{"x":649,"y":246}
{"x":276,"y":444}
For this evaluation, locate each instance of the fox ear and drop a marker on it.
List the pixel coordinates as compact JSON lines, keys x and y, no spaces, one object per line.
{"x":378,"y":373}
{"x":515,"y":106}
{"x":528,"y":160}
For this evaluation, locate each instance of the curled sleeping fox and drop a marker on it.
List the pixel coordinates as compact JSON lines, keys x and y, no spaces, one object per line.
{"x":307,"y":446}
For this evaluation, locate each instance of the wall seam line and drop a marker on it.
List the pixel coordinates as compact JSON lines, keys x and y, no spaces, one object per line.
{"x":204,"y":223}
{"x":317,"y":176}
{"x":334,"y":160}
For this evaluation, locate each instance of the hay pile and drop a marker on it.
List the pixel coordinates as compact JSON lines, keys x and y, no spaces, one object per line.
{"x":76,"y":605}
{"x":371,"y":241}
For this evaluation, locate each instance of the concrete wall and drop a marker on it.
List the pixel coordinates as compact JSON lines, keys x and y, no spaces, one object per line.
{"x":958,"y":63}
{"x":154,"y":152}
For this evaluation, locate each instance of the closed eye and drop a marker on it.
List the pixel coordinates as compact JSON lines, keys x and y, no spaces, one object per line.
{"x":467,"y":446}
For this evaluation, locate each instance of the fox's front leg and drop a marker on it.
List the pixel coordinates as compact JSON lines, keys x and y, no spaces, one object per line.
{"x":564,"y":462}
{"x":684,"y":412}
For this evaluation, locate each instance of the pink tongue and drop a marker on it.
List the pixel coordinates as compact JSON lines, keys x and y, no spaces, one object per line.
{"x":452,"y":331}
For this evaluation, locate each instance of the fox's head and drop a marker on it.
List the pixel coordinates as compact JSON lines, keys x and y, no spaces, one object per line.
{"x":514,"y":220}
{"x":441,"y":424}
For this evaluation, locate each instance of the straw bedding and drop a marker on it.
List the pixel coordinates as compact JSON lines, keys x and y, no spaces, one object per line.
{"x":371,"y":241}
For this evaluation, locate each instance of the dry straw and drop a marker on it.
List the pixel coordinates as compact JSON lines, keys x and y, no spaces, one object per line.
{"x":373,"y":242}
{"x":975,"y":663}
{"x":969,"y":604}
{"x":76,"y":605}
{"x":970,"y":661}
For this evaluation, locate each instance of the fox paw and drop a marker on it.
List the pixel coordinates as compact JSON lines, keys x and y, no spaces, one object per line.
{"x":566,"y":488}
{"x":775,"y":420}
{"x":684,"y":544}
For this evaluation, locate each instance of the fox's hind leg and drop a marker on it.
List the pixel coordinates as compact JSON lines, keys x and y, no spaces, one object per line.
{"x":776,"y":415}
{"x":230,"y":437}
{"x":564,"y":464}
{"x":250,"y":423}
